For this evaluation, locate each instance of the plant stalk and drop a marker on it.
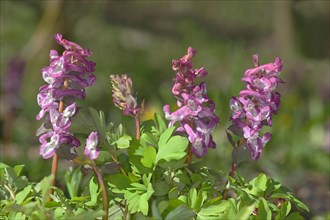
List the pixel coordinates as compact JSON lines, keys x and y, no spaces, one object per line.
{"x":105,"y":202}
{"x":137,"y":126}
{"x":189,"y":155}
{"x":231,"y":174}
{"x":115,"y":159}
{"x":55,"y":157}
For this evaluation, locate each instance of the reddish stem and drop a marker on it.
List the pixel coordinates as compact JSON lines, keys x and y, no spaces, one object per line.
{"x":189,"y":155}
{"x":105,"y":202}
{"x":55,"y":157}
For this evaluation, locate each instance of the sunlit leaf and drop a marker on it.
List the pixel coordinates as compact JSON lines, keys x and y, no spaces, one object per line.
{"x":123,"y":142}
{"x":173,"y":149}
{"x":149,"y":157}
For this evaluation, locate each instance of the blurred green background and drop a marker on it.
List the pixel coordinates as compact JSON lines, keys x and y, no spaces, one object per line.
{"x":141,"y":38}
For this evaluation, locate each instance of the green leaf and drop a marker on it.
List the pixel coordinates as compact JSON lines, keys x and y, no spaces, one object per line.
{"x":181,"y":212}
{"x":143,"y":204}
{"x":138,"y":186}
{"x":111,"y":167}
{"x":123,"y":142}
{"x":214,"y":211}
{"x":284,"y":211}
{"x":59,"y":196}
{"x":173,"y":149}
{"x":148,"y":139}
{"x":163,"y":205}
{"x":201,"y":197}
{"x":93,"y":191}
{"x":18,"y":169}
{"x":21,"y":196}
{"x":166,"y":136}
{"x":161,"y":188}
{"x":73,"y":178}
{"x":173,"y":193}
{"x":44,"y":186}
{"x":103,"y":125}
{"x":263,"y":210}
{"x":191,"y":197}
{"x":96,"y":119}
{"x":155,"y":211}
{"x":3,"y":165}
{"x":88,"y":214}
{"x":133,"y":200}
{"x":52,"y":204}
{"x":246,"y":211}
{"x":149,"y":157}
{"x":260,"y":181}
{"x":120,"y":181}
{"x":292,"y":199}
{"x":10,"y":175}
{"x":79,"y":199}
{"x":160,"y":124}
{"x":232,"y":209}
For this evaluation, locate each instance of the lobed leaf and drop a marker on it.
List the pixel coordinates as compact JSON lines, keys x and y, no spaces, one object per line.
{"x":173,"y":149}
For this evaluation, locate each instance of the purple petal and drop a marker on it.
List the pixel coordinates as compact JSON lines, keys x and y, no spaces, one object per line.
{"x":91,"y":150}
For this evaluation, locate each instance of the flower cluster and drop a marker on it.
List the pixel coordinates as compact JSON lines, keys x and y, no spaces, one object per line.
{"x":196,"y":111}
{"x":256,"y":104}
{"x":67,"y":76}
{"x":122,"y":94}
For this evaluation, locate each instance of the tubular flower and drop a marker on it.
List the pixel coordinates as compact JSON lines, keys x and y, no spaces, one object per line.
{"x":256,"y":104}
{"x":91,"y":150}
{"x":195,"y":110}
{"x":122,"y":94}
{"x":67,"y":76}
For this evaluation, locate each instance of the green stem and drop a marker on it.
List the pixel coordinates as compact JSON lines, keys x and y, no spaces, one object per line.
{"x":12,"y":194}
{"x":103,"y":190}
{"x":231,"y":174}
{"x":114,"y":159}
{"x":137,"y":126}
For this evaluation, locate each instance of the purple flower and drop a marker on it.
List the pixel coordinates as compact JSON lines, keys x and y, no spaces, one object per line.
{"x":52,"y":141}
{"x":195,"y":112}
{"x":67,"y":76}
{"x":91,"y":150}
{"x":256,"y":104}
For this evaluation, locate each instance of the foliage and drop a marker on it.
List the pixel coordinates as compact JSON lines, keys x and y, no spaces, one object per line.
{"x":145,"y":179}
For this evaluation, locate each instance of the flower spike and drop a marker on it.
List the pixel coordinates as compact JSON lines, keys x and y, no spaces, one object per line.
{"x":256,"y":104}
{"x":195,"y":113}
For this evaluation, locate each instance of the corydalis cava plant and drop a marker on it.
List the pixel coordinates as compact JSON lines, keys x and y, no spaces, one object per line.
{"x":195,"y":110}
{"x":256,"y":104}
{"x":122,"y":95}
{"x":67,"y":76}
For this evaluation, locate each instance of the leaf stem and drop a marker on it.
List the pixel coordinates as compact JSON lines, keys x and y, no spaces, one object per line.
{"x":114,"y":159}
